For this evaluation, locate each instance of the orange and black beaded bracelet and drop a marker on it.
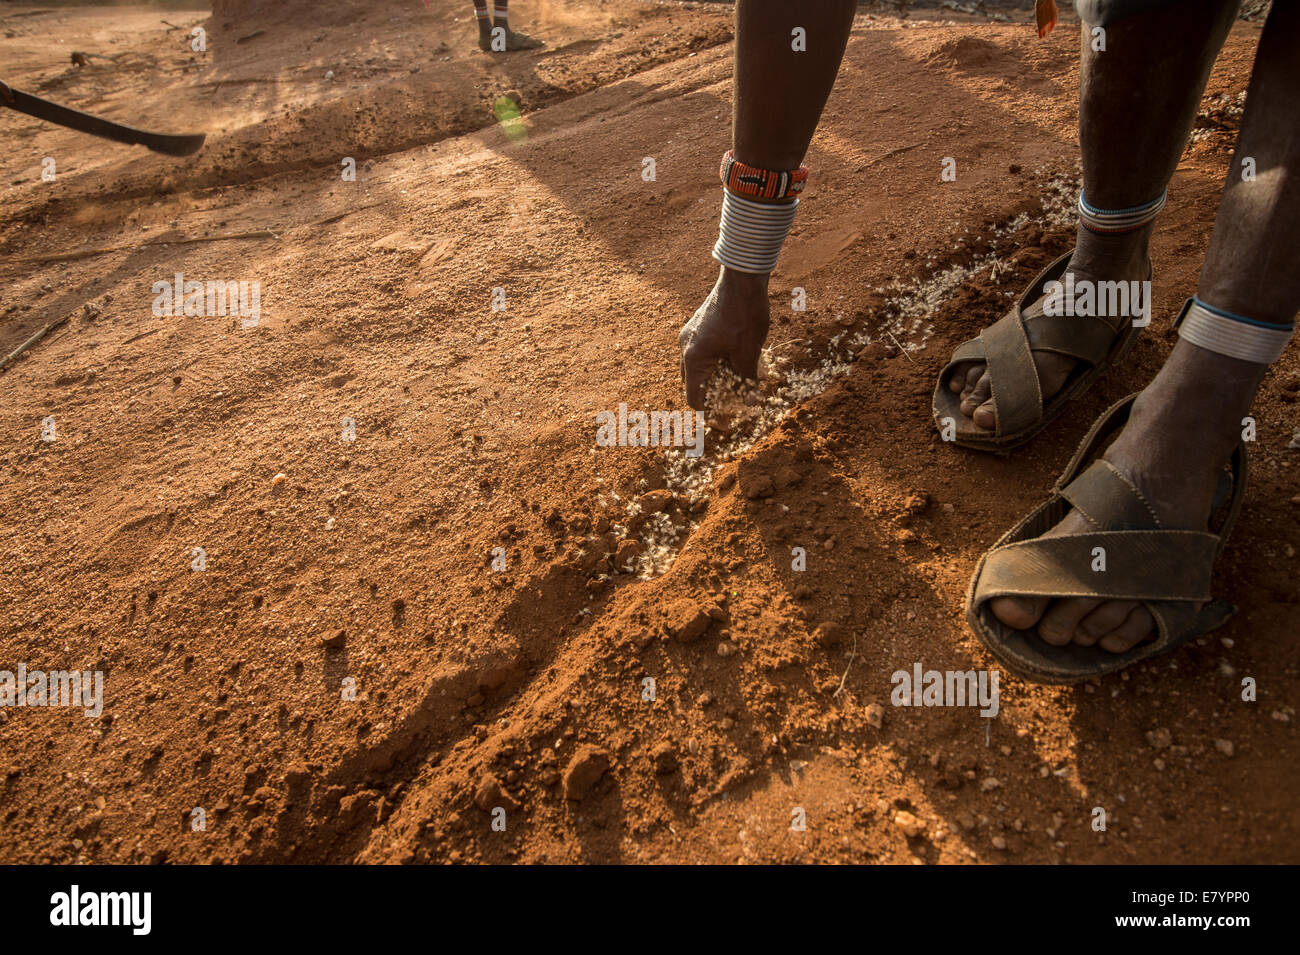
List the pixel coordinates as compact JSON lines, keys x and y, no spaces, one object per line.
{"x":760,"y":183}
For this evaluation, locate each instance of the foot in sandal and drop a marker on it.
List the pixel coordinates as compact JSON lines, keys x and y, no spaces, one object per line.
{"x":1179,"y":436}
{"x":1137,"y":101}
{"x":1037,"y":601}
{"x":1097,"y":259}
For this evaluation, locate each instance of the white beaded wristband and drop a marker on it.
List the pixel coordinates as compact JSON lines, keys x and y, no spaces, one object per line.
{"x":751,"y":234}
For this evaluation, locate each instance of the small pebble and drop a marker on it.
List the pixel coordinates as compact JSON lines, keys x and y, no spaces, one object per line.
{"x":911,"y":826}
{"x":1160,"y":738}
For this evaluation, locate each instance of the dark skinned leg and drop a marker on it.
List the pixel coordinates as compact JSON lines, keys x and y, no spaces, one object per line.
{"x":1137,"y":102}
{"x":1186,"y":423}
{"x":779,"y":97}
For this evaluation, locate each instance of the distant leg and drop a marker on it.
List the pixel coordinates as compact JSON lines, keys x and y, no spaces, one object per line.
{"x":510,"y":39}
{"x":484,"y":25}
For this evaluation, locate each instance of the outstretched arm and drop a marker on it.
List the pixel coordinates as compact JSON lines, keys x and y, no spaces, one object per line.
{"x":781,"y":87}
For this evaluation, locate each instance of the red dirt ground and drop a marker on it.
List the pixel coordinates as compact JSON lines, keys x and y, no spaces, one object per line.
{"x":371,"y":560}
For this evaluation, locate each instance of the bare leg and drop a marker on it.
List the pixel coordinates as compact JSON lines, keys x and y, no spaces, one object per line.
{"x":1186,"y":423}
{"x":1137,"y":102}
{"x":780,"y":94}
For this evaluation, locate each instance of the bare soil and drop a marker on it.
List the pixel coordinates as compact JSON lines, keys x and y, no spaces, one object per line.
{"x":369,"y":564}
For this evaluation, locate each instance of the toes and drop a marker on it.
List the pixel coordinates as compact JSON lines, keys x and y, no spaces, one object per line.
{"x":980,"y":392}
{"x":963,"y":378}
{"x":1137,"y":626}
{"x":1102,"y":621}
{"x":984,"y":417}
{"x":1058,"y":624}
{"x":1018,"y":613}
{"x":1114,"y":625}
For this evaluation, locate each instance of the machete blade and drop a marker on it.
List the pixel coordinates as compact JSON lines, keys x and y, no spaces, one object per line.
{"x":172,"y":145}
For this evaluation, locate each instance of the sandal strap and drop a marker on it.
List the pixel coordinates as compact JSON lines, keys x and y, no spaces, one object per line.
{"x":1240,"y":477}
{"x":1143,"y":560}
{"x":1180,"y":622}
{"x":1006,"y":348}
{"x":1155,"y":565}
{"x":1086,"y":338}
{"x":971,"y":350}
{"x":1110,"y":500}
{"x":1017,"y":396}
{"x":1038,"y":287}
{"x":1108,"y":423}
